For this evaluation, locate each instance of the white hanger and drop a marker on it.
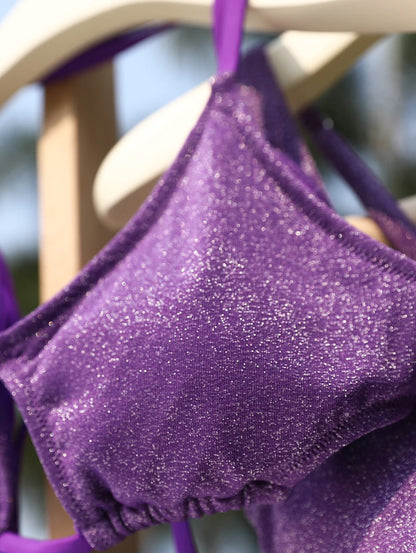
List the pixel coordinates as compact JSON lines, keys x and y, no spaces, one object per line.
{"x":38,"y":35}
{"x":305,"y":65}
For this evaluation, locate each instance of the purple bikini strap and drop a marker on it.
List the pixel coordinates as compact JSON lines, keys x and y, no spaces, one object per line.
{"x":228,"y":30}
{"x":12,"y":543}
{"x":375,"y":197}
{"x":182,"y":537}
{"x":228,"y":26}
{"x":103,"y":52}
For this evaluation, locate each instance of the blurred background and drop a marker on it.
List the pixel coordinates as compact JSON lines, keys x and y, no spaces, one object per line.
{"x":373,"y":106}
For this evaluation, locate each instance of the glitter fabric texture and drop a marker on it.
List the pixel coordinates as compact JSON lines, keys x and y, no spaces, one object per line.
{"x":229,"y":340}
{"x":362,"y":500}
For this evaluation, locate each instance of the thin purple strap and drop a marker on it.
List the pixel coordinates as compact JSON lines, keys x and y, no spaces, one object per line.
{"x":12,"y":543}
{"x":103,"y":52}
{"x":228,"y":30}
{"x":9,"y":312}
{"x":182,"y":536}
{"x":380,"y":204}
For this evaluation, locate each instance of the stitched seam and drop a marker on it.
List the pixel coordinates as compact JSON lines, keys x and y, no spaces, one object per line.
{"x":243,"y":494}
{"x":77,"y":505}
{"x":139,"y":224}
{"x":144,"y":216}
{"x":44,"y":434}
{"x":320,"y":213}
{"x":331,"y":436}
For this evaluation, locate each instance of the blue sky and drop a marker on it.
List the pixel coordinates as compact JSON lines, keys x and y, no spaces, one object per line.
{"x":18,"y":220}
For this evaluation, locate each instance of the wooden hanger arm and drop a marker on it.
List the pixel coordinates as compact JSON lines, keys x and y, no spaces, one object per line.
{"x":304,"y":63}
{"x":30,"y":51}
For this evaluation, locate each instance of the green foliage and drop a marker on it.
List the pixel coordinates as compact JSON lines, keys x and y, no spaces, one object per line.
{"x":26,"y":282}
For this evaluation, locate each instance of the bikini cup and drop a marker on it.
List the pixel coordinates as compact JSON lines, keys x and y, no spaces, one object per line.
{"x":234,"y":335}
{"x":362,"y":499}
{"x":282,"y":133}
{"x":230,"y":339}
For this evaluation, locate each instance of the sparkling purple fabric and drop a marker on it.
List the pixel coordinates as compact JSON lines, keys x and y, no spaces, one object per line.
{"x":362,"y":500}
{"x":228,"y":341}
{"x":9,"y":446}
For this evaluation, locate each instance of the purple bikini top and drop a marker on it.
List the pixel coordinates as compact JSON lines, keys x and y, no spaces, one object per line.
{"x":230,"y":339}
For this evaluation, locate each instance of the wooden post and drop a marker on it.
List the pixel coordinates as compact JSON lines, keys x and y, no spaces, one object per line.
{"x":79,"y":129}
